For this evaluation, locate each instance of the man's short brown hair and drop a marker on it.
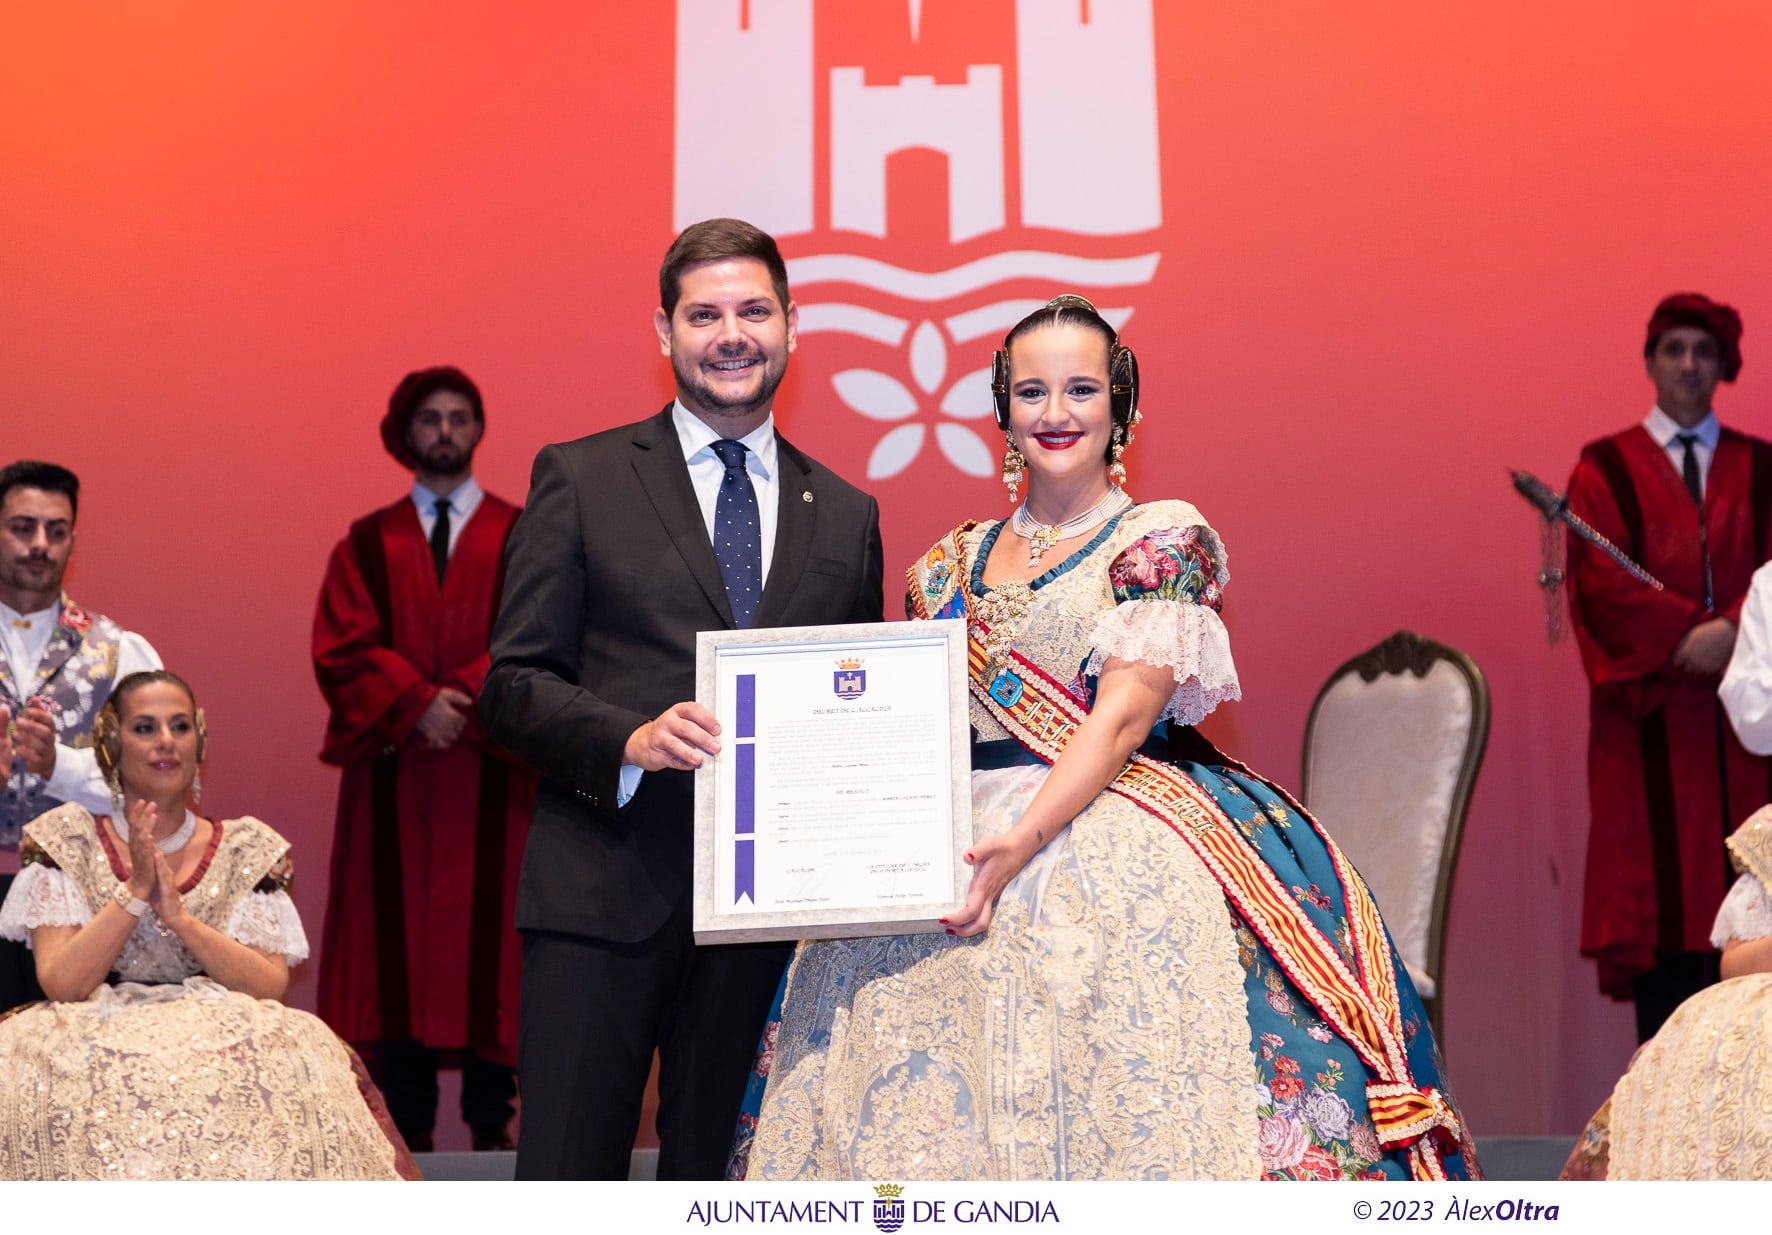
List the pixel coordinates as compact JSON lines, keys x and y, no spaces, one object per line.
{"x":716,"y":240}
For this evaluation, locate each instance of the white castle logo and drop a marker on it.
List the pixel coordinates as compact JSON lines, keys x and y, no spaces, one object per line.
{"x":1086,"y":147}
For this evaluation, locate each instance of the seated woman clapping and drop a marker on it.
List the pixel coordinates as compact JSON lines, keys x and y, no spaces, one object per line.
{"x":163,"y":940}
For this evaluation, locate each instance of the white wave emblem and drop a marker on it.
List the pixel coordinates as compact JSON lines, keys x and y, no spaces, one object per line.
{"x":1063,"y":268}
{"x":1010,"y":98}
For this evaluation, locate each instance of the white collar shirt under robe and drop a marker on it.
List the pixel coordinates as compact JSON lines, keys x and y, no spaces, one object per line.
{"x":463,"y":501}
{"x":1666,"y":432}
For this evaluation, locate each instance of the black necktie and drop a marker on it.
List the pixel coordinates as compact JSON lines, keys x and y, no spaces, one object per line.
{"x":738,"y":534}
{"x":1689,"y":466}
{"x":440,"y":538}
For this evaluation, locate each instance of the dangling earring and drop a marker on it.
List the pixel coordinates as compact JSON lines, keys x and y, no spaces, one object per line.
{"x":1116,"y":469}
{"x":1014,"y":467}
{"x":114,"y":782}
{"x":202,"y":749}
{"x":1122,"y":438}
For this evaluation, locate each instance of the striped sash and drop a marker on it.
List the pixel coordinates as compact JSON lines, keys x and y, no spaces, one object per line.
{"x":1361,"y":1002}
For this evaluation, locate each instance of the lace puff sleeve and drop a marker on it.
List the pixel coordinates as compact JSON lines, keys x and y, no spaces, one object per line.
{"x":1746,"y":913}
{"x":266,"y":918}
{"x":1169,"y":585}
{"x":43,"y":894}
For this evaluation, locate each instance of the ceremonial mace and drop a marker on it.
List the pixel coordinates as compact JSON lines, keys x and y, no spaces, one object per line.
{"x":1555,"y":509}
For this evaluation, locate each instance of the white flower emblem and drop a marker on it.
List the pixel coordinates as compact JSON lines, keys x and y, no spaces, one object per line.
{"x":881,"y":396}
{"x":892,"y":399}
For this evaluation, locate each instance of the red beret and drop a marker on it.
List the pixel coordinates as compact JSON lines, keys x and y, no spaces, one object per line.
{"x":1711,"y":316}
{"x":413,"y":390}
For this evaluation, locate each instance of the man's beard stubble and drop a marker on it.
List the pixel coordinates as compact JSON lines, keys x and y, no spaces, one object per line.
{"x":691,"y":382}
{"x":446,"y":459}
{"x":15,"y":574}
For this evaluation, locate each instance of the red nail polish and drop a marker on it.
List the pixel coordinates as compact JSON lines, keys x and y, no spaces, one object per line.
{"x":950,"y":930}
{"x":943,"y":921}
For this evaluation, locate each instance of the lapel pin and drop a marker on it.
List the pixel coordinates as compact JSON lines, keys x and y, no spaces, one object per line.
{"x":806,"y":495}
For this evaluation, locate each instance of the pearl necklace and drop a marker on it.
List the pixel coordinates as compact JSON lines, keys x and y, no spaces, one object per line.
{"x":172,"y":844}
{"x":1042,"y":536}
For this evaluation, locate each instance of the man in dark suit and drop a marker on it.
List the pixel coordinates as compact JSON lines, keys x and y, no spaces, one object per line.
{"x":699,"y":518}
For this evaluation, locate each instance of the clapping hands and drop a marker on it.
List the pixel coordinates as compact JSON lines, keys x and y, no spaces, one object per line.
{"x":148,"y":874}
{"x":31,"y":736}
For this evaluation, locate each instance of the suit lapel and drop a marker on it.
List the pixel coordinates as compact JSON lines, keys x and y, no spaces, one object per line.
{"x":795,"y":518}
{"x":658,"y":461}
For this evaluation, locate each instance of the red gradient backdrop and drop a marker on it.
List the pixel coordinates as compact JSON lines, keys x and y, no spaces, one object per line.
{"x":1403,"y":247}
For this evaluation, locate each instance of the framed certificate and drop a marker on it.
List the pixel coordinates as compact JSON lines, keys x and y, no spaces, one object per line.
{"x":840,"y":804}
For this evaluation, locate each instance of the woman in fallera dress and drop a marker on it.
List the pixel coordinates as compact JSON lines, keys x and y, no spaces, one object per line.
{"x":164,"y":940}
{"x":1164,"y":967}
{"x":1696,"y":1102}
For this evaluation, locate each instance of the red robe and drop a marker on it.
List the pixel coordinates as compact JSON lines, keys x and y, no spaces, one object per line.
{"x":419,"y":937}
{"x":1657,"y":742}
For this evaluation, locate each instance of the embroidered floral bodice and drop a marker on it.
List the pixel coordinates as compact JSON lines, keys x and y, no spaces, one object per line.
{"x":1147,"y":587}
{"x":237,"y":889}
{"x":166,"y":1073}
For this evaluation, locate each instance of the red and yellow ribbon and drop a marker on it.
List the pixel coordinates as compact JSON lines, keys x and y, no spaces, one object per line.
{"x":1361,"y":1002}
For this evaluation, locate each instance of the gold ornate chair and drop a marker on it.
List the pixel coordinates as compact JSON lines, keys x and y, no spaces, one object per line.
{"x":1391,"y":753}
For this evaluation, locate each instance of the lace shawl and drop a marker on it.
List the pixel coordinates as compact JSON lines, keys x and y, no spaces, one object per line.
{"x":1187,"y":639}
{"x":1746,"y":912}
{"x":44,"y":895}
{"x":65,"y":891}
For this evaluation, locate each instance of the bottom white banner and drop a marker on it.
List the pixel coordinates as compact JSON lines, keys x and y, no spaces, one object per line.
{"x":908,"y":1207}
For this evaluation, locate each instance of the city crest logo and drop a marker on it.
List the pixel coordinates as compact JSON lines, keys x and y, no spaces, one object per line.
{"x":888,"y":1207}
{"x":910,"y":276}
{"x":850,"y":681}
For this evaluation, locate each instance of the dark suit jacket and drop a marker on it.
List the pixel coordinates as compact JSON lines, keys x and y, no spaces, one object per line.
{"x":609,"y":577}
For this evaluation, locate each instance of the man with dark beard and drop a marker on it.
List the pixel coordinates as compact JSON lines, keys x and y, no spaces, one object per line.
{"x":420,"y":963}
{"x":698,"y":518}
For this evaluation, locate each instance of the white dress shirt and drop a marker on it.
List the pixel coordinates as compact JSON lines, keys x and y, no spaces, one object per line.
{"x":24,"y":637}
{"x":1666,"y":431}
{"x":1746,"y":693}
{"x":706,"y":472}
{"x":1746,"y":690}
{"x":463,"y":501}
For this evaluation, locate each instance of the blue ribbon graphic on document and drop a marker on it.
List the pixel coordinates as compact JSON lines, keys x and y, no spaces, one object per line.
{"x":744,"y":790}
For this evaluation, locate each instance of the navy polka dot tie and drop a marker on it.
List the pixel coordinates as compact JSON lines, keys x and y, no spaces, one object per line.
{"x":738,"y":535}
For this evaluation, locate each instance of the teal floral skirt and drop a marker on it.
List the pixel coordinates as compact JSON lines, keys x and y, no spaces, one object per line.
{"x":1308,"y":1111}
